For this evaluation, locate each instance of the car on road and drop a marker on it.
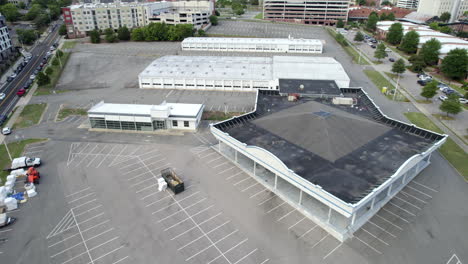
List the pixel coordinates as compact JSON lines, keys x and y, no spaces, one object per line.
{"x":21,"y":92}
{"x":3,"y":118}
{"x":2,"y":96}
{"x":9,"y":79}
{"x":391,"y":59}
{"x":443,"y":97}
{"x":52,"y":48}
{"x":32,"y":77}
{"x":6,"y":131}
{"x":48,"y":53}
{"x":13,"y":75}
{"x":35,"y":72}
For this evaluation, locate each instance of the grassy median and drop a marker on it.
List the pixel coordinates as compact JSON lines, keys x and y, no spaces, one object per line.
{"x":219,"y":115}
{"x":55,"y":76}
{"x":380,"y":81}
{"x":69,"y":45}
{"x":450,"y":150}
{"x":65,"y":112}
{"x":30,"y":115}
{"x":16,"y":149}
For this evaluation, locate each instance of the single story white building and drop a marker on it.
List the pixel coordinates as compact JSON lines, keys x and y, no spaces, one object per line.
{"x":283,"y":45}
{"x":238,"y":73}
{"x":134,"y":117}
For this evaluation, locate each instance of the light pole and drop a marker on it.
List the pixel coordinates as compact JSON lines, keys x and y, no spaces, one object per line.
{"x":396,"y":88}
{"x":6,"y":147}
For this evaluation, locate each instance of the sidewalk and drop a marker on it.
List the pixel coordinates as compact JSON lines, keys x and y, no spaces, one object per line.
{"x":421,"y":107}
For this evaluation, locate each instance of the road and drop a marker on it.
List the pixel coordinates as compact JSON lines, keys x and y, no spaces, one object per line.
{"x":10,"y":89}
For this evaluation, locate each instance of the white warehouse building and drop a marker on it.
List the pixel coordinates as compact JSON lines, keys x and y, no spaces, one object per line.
{"x":149,"y":118}
{"x":238,"y":73}
{"x":284,"y":45}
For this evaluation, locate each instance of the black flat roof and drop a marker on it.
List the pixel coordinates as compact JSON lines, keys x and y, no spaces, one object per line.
{"x":343,"y":149}
{"x":309,"y":87}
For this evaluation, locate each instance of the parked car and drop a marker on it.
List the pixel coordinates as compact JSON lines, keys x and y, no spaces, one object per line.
{"x":391,"y":59}
{"x":443,"y":89}
{"x":425,"y":77}
{"x":2,"y":96}
{"x":423,"y":82}
{"x":449,"y":91}
{"x":21,"y":92}
{"x":9,"y":79}
{"x":13,"y":75}
{"x":52,"y":48}
{"x":48,"y":54}
{"x":373,"y":46}
{"x":463,"y":100}
{"x":32,"y":77}
{"x":35,"y":72}
{"x":3,"y":118}
{"x":442,"y":86}
{"x":6,"y":131}
{"x":443,"y":98}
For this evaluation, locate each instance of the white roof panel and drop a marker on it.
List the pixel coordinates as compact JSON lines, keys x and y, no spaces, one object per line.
{"x":176,"y":109}
{"x":280,"y":41}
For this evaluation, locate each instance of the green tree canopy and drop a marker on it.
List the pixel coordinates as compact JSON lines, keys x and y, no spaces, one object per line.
{"x":10,"y":11}
{"x":110,"y":35}
{"x":94,"y":36}
{"x":445,"y":16}
{"x":445,"y":29}
{"x":434,"y":25}
{"x":341,"y":39}
{"x":42,"y":79}
{"x":340,"y":23}
{"x":59,"y":53}
{"x":138,"y":34}
{"x":391,"y":17}
{"x":123,"y":33}
{"x":455,"y":64}
{"x":451,"y":106}
{"x":380,"y":52}
{"x":41,"y":20}
{"x":361,"y":2}
{"x":359,"y":36}
{"x":417,"y":63}
{"x":410,"y":41}
{"x":430,"y":90}
{"x":26,"y":36}
{"x":383,"y":16}
{"x":214,"y":20}
{"x":386,"y":3}
{"x":34,"y":11}
{"x":201,"y":33}
{"x":399,"y":66}
{"x":372,"y":22}
{"x":62,"y":30}
{"x":430,"y":51}
{"x":49,"y":71}
{"x":21,"y":5}
{"x":395,"y":33}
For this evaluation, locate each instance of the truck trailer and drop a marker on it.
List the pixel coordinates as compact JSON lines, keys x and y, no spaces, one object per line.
{"x":24,"y":162}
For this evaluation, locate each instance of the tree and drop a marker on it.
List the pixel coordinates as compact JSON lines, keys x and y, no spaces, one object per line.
{"x":430,"y":90}
{"x":201,"y":33}
{"x":383,"y":16}
{"x":62,"y":30}
{"x":445,"y":16}
{"x":372,"y":22}
{"x":399,"y":67}
{"x":41,"y":20}
{"x":59,"y":53}
{"x":446,"y":30}
{"x":430,"y":51}
{"x":359,"y":36}
{"x":361,"y":2}
{"x":34,"y":11}
{"x":49,"y":71}
{"x":380,"y":52}
{"x":123,"y":33}
{"x":214,"y":20}
{"x":156,"y":32}
{"x":254,"y":2}
{"x":395,"y":33}
{"x":110,"y":36}
{"x":451,"y":105}
{"x":42,"y":79}
{"x":26,"y":36}
{"x":21,"y":5}
{"x":217,"y":13}
{"x":391,"y":17}
{"x":137,"y":34}
{"x":55,"y":61}
{"x":340,"y":23}
{"x":455,"y":64}
{"x":386,"y":3}
{"x":94,"y":36}
{"x":417,"y":64}
{"x":341,"y":39}
{"x":434,"y":25}
{"x":410,"y":41}
{"x":10,"y":11}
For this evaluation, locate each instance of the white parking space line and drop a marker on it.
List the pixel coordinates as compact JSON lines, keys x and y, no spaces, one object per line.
{"x":120,"y":260}
{"x":402,"y":209}
{"x":105,"y":157}
{"x":381,"y":228}
{"x":421,"y":192}
{"x":169,"y":196}
{"x":181,"y":221}
{"x":146,"y":188}
{"x":420,"y":184}
{"x":110,"y":252}
{"x":80,"y":191}
{"x":251,"y":186}
{"x":297,"y":223}
{"x":118,"y":155}
{"x":85,"y":156}
{"x":63,"y":240}
{"x":100,"y":234}
{"x":84,"y":196}
{"x":78,"y":206}
{"x":276,"y":207}
{"x":197,"y":226}
{"x":65,"y":250}
{"x":244,"y":257}
{"x":221,"y":164}
{"x":267,"y":200}
{"x":392,"y":213}
{"x":132,"y":170}
{"x":221,"y":239}
{"x":265,"y":261}
{"x":286,"y":215}
{"x":234,"y":175}
{"x":138,"y":176}
{"x":241,"y":181}
{"x":333,"y":250}
{"x":308,"y":231}
{"x":374,"y":236}
{"x":88,"y":219}
{"x":94,"y":226}
{"x":96,"y":155}
{"x":258,"y":193}
{"x":417,"y":207}
{"x":215,"y":159}
{"x":140,"y":182}
{"x":159,"y":200}
{"x":320,"y":241}
{"x":412,"y":196}
{"x":367,"y":245}
{"x":164,"y":208}
{"x":207,"y":155}
{"x":228,"y":169}
{"x":198,"y":238}
{"x":389,"y":222}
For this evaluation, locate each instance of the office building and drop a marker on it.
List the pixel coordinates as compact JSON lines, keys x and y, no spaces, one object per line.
{"x":456,"y":8}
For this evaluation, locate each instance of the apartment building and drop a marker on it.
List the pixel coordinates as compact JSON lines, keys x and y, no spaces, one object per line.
{"x":81,"y":18}
{"x":436,"y":7}
{"x":5,"y":40}
{"x":408,"y":4}
{"x":317,"y":12}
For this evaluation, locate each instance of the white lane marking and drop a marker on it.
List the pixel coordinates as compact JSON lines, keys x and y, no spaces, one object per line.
{"x":276,"y":207}
{"x":169,"y":93}
{"x":244,"y":257}
{"x":207,"y":155}
{"x":118,"y":155}
{"x":307,"y":232}
{"x":84,"y":196}
{"x":169,"y":196}
{"x":88,"y":219}
{"x":323,"y":238}
{"x":234,"y":175}
{"x":297,"y":223}
{"x":108,"y":230}
{"x":214,"y":159}
{"x":368,"y":245}
{"x":420,"y":184}
{"x":390,"y":212}
{"x":265,"y":261}
{"x":85,"y":189}
{"x":227,"y":251}
{"x":421,"y":192}
{"x":209,"y":232}
{"x":253,"y":185}
{"x":374,"y":236}
{"x":94,"y":226}
{"x":86,"y":155}
{"x":65,"y":250}
{"x":102,"y":244}
{"x":82,"y":237}
{"x":89,"y":210}
{"x":381,"y":228}
{"x":333,"y":250}
{"x":221,"y":239}
{"x":63,"y":240}
{"x":402,"y":209}
{"x":105,"y":157}
{"x":284,"y":216}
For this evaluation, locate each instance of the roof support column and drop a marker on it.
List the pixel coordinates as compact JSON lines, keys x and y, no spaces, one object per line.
{"x":300,"y":197}
{"x":389,"y":189}
{"x":255,"y":166}
{"x":372,"y":203}
{"x":353,"y":219}
{"x":219,"y":145}
{"x":235,"y":155}
{"x":329,"y":214}
{"x":276,"y":181}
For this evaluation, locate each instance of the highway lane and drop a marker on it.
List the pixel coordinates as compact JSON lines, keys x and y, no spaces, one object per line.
{"x":38,"y":52}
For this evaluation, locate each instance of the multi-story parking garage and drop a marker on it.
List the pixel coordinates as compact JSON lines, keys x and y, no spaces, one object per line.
{"x":238,"y":73}
{"x":331,"y":154}
{"x":286,"y":45}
